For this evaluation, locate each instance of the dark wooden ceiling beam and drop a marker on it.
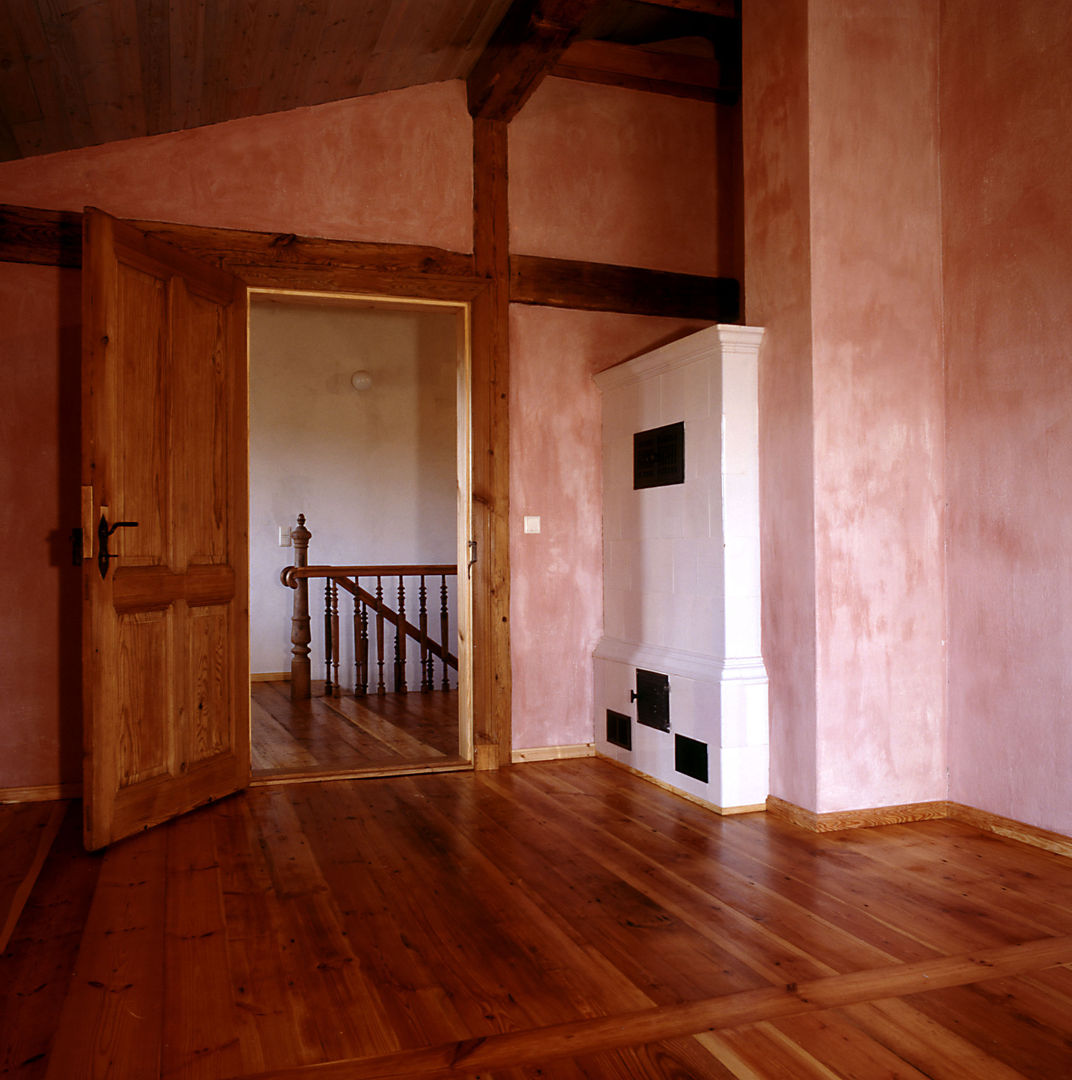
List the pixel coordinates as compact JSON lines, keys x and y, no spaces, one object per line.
{"x":723,"y":9}
{"x":42,"y":237}
{"x":627,"y":289}
{"x":54,"y":238}
{"x":635,"y":68}
{"x":523,"y":50}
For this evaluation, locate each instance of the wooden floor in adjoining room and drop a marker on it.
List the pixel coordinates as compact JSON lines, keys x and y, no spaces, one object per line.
{"x":550,"y":920}
{"x":348,"y":734}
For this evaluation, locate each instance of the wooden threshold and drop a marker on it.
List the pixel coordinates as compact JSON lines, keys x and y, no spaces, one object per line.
{"x":268,"y":778}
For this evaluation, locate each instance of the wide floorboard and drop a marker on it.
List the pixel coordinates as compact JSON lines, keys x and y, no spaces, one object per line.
{"x":346,"y":734}
{"x":557,"y":919}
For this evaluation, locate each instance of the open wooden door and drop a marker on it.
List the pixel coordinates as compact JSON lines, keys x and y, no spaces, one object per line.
{"x":164,"y":472}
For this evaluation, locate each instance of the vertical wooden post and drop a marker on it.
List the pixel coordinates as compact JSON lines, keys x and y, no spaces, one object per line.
{"x":490,"y":583}
{"x":300,"y":631}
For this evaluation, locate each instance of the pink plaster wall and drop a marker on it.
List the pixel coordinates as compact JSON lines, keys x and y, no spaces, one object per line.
{"x":878,"y":403}
{"x":842,"y":267}
{"x":777,"y":289}
{"x":393,"y":168}
{"x":1007,"y":149}
{"x":617,"y":176}
{"x":556,"y":596}
{"x":40,"y":677}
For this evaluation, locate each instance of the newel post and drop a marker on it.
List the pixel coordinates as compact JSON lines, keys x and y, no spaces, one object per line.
{"x":300,"y":631}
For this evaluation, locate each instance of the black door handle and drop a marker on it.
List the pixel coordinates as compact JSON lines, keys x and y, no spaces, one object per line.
{"x":104,"y":530}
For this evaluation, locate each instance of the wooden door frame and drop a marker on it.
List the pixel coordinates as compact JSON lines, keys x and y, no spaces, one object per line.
{"x":419,"y":276}
{"x":463,"y":311}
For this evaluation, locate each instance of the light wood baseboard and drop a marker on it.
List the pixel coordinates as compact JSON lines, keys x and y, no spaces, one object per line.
{"x":927,"y":811}
{"x":1013,"y":830}
{"x":269,"y":676}
{"x":41,"y":793}
{"x":724,"y":811}
{"x":552,"y":753}
{"x":855,"y":819}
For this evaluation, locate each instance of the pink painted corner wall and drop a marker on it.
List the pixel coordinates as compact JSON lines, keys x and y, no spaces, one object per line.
{"x":1006,"y":153}
{"x":878,"y":403}
{"x":40,"y":678}
{"x":777,"y":290}
{"x":842,"y":268}
{"x":556,"y":595}
{"x":617,"y":176}
{"x":393,"y":168}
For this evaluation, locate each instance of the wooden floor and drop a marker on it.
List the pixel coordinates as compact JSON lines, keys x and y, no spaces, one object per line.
{"x":553,"y":920}
{"x":376,"y":733}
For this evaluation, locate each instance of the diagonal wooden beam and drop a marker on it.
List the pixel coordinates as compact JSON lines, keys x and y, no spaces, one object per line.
{"x":525,"y":47}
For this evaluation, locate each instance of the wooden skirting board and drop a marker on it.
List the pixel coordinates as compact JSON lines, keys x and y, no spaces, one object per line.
{"x":40,"y":793}
{"x":552,"y":753}
{"x":924,"y":811}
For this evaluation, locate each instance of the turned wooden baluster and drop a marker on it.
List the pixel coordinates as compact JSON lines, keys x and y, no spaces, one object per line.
{"x":444,"y":628}
{"x":360,"y":647}
{"x":400,"y":640}
{"x":300,"y":631}
{"x":426,"y":659}
{"x":331,"y":637}
{"x":380,"y":687}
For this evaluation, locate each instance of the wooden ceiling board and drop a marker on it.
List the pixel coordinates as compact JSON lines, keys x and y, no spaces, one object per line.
{"x":78,"y":73}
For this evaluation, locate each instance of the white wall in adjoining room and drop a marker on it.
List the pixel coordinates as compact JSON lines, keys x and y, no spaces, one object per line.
{"x":374,"y":472}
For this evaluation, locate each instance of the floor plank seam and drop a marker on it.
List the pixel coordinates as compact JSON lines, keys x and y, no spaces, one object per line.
{"x":575,"y":1038}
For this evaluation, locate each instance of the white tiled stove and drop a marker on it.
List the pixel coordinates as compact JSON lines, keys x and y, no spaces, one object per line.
{"x":681,"y":580}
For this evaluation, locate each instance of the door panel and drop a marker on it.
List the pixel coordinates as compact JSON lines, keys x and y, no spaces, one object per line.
{"x":165,"y":672}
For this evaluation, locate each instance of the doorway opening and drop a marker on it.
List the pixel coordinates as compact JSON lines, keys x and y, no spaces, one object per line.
{"x":359,"y":422}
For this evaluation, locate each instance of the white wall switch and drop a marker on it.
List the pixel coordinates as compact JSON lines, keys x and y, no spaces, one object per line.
{"x":532,"y":523}
{"x":284,"y":536}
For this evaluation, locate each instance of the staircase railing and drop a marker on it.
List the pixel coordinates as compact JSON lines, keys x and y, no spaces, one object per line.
{"x":381,"y":627}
